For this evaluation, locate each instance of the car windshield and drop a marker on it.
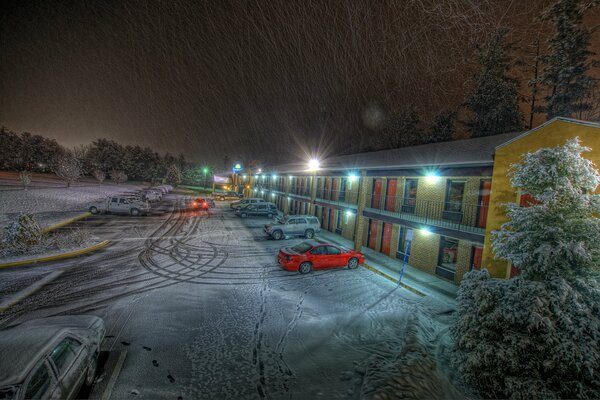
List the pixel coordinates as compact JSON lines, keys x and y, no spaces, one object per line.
{"x":302,"y":247}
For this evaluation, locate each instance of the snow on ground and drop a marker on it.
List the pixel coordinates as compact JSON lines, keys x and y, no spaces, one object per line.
{"x":51,"y":201}
{"x":204,"y":312}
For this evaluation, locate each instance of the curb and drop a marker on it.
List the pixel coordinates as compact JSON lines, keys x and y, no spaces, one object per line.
{"x":67,"y":222}
{"x":405,"y":286}
{"x":57,"y":256}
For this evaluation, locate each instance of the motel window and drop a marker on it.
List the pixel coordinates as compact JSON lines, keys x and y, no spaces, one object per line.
{"x":402,"y":243}
{"x":453,"y":205}
{"x":448,"y":257}
{"x":409,"y":199}
{"x":342,"y":196}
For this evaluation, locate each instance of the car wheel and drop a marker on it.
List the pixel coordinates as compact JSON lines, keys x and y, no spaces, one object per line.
{"x":309,"y":234}
{"x":135,"y":212}
{"x":353,"y":263}
{"x":270,"y":215}
{"x":277,"y":235}
{"x":305,"y":267}
{"x":90,"y":375}
{"x":244,"y":215}
{"x":93,"y":210}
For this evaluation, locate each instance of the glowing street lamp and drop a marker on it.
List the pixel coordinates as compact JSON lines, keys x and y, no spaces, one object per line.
{"x":313,"y":164}
{"x":205,"y":170}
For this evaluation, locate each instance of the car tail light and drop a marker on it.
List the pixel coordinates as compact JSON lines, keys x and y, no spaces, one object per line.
{"x":195,"y":204}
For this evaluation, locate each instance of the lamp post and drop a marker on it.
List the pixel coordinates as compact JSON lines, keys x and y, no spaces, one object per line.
{"x":313,"y":166}
{"x":205,"y":170}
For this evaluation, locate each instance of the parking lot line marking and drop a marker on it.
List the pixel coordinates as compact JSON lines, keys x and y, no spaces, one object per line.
{"x":28,"y":291}
{"x":113,"y":377}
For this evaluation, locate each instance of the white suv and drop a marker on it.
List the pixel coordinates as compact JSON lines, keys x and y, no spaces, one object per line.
{"x":294,"y":225}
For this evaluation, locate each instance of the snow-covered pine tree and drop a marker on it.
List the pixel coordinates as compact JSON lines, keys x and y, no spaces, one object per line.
{"x":21,"y":235}
{"x":566,"y":65}
{"x":441,"y":128}
{"x":538,"y":335}
{"x":495,"y":99}
{"x":173,"y":175}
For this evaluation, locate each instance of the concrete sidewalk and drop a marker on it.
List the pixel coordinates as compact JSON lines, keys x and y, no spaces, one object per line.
{"x":413,"y":278}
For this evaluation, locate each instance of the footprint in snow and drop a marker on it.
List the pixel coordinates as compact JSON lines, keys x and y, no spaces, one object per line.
{"x":155,"y":363}
{"x":135,"y":392}
{"x":179,"y":397}
{"x":125,"y":343}
{"x":146,"y":348}
{"x":170,"y":377}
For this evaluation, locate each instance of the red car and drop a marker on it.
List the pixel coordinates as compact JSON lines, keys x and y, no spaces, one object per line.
{"x":312,"y":254}
{"x":200,"y":204}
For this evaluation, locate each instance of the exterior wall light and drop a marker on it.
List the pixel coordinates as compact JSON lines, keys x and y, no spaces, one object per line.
{"x":313,"y":164}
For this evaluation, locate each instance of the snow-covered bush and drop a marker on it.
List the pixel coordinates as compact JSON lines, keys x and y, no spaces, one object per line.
{"x":69,"y":239}
{"x":118,"y":176}
{"x":67,"y":167}
{"x":21,"y":235}
{"x":99,"y":175}
{"x":538,"y":335}
{"x":173,"y":175}
{"x":25,"y":178}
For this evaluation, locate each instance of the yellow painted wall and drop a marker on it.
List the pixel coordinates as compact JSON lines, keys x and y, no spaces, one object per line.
{"x":553,"y":134}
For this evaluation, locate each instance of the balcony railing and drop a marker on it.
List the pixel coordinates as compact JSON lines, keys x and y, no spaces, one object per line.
{"x":345,"y":198}
{"x":462,"y":216}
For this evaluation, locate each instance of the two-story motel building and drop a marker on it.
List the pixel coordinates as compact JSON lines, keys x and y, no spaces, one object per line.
{"x":449,"y":194}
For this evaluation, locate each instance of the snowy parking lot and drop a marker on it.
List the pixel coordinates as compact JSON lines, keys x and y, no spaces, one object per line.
{"x":203,"y":311}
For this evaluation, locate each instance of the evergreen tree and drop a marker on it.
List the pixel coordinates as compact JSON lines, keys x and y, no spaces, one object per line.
{"x":567,"y":64}
{"x":495,"y":100}
{"x":441,"y":128}
{"x":173,"y":175}
{"x":538,"y":335}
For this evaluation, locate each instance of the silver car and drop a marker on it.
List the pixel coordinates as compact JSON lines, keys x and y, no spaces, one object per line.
{"x":294,"y":225}
{"x":237,"y":205}
{"x":50,"y":358}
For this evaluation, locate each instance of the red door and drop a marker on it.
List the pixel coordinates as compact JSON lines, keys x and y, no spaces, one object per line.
{"x":331,"y":221}
{"x":334,"y":195}
{"x":390,"y":197}
{"x":386,"y":238}
{"x":372,"y":233}
{"x":477,"y":257}
{"x":327,"y":188}
{"x":484,"y":202}
{"x":376,"y":194}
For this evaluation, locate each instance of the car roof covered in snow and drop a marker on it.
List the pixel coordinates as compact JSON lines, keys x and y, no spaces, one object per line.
{"x":21,"y":347}
{"x":466,"y":152}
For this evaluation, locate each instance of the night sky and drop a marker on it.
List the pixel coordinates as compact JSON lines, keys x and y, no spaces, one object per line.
{"x":270,"y":80}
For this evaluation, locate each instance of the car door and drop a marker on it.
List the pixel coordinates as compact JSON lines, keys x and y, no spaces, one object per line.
{"x":113,"y":205}
{"x":123,"y":206}
{"x":69,"y":361}
{"x":291,"y":226}
{"x":41,"y":383}
{"x":318,"y":257}
{"x":335,"y":257}
{"x":302,"y":225}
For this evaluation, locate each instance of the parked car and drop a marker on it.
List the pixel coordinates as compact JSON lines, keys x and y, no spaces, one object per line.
{"x":313,"y":254}
{"x":227,"y":195}
{"x":258,"y":209}
{"x":120,"y":205}
{"x":152,"y":195}
{"x":50,"y":357}
{"x":293,"y":225}
{"x":210,"y":202}
{"x":236,"y":205}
